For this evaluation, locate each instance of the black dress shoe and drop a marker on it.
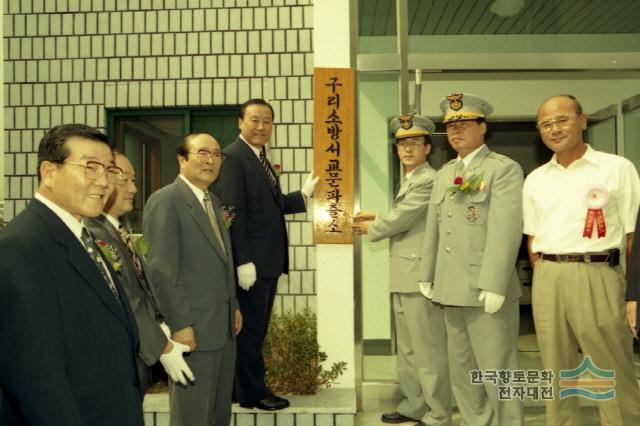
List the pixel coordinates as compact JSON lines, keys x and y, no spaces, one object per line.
{"x":396,"y":417}
{"x":270,"y":403}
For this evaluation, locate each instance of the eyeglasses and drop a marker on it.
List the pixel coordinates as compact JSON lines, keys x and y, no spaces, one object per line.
{"x":402,"y":144}
{"x":560,"y":121}
{"x":94,"y":169}
{"x":125,"y":177}
{"x":204,"y":155}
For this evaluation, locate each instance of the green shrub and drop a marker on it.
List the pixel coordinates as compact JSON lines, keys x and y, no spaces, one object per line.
{"x":292,"y":356}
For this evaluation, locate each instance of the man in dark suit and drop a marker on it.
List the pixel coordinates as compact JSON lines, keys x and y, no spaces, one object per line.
{"x":250,"y":186}
{"x":132,"y":270}
{"x":69,"y":336}
{"x":192,"y":274}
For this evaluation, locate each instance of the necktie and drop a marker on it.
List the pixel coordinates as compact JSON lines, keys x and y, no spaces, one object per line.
{"x":137,"y":263}
{"x":213,"y":221}
{"x":267,"y":169}
{"x":459,"y":168}
{"x":94,"y":253}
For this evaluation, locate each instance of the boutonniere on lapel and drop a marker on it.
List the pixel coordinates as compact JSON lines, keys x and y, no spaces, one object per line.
{"x":468,"y":184}
{"x":140,"y":245}
{"x":277,"y":169}
{"x":110,"y":253}
{"x":228,"y":216}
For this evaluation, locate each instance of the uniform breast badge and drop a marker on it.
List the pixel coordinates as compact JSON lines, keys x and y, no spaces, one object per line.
{"x":472,"y":213}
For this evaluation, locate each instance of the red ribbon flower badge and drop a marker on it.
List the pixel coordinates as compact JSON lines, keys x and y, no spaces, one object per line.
{"x":277,"y":169}
{"x":597,"y":198}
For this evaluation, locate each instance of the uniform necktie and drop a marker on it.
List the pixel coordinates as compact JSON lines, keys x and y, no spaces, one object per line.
{"x":137,"y":263}
{"x":267,"y":169}
{"x":213,"y":221}
{"x":459,"y":168}
{"x":94,"y":254}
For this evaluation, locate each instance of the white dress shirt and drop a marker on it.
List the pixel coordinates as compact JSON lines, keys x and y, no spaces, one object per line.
{"x":555,"y":203}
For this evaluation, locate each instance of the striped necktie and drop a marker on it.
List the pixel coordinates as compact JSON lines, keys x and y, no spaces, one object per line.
{"x":213,"y":221}
{"x":267,"y":169}
{"x":94,"y":254}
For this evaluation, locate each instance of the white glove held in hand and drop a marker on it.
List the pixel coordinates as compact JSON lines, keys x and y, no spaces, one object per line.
{"x":492,"y":301}
{"x":165,"y":329}
{"x":174,"y":363}
{"x":426,"y":289}
{"x":310,"y":185}
{"x":246,"y":275}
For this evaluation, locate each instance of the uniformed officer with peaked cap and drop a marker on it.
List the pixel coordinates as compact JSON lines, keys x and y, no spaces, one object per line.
{"x":472,"y":238}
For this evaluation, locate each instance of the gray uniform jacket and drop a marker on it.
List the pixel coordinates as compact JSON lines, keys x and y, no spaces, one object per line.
{"x":152,"y":339}
{"x":472,"y":241}
{"x":404,"y":226}
{"x":192,"y":277}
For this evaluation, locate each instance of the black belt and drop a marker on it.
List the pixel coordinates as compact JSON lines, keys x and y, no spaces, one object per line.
{"x":611,"y":256}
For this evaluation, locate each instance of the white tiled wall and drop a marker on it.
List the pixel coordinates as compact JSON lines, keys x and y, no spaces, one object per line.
{"x":68,"y":60}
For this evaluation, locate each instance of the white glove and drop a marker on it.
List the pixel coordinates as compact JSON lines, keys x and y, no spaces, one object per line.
{"x":309,"y":185}
{"x":426,"y":289}
{"x":174,"y":363}
{"x":492,"y":301}
{"x":165,"y":329}
{"x":246,"y":275}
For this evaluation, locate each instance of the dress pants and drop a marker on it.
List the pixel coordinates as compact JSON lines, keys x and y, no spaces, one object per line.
{"x":255,"y":306}
{"x":423,"y":369}
{"x":581,"y":305}
{"x":207,"y":400}
{"x":478,"y":340}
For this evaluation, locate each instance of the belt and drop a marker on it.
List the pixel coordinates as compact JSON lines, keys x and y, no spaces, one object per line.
{"x":587,"y":258}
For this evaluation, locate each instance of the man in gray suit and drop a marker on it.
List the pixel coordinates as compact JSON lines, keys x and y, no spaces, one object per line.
{"x":422,"y":353}
{"x":192,"y":274}
{"x":130,"y":266}
{"x":472,"y":237}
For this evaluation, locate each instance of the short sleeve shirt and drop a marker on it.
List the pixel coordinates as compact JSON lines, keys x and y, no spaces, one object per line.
{"x":556,"y":208}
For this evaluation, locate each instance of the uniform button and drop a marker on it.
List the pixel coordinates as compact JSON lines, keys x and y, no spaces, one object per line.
{"x":448,"y":231}
{"x":136,"y":383}
{"x":449,"y":214}
{"x":447,"y":249}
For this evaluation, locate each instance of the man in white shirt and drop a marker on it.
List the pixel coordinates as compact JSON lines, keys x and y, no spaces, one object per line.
{"x":423,"y":369}
{"x":579,"y":208}
{"x":70,"y":339}
{"x":132,"y":270}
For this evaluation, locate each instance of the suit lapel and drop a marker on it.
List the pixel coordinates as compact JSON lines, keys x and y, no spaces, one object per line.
{"x":82,"y":263}
{"x":199,"y":216}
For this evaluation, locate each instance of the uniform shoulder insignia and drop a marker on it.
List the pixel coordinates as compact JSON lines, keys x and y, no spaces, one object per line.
{"x":498,"y":156}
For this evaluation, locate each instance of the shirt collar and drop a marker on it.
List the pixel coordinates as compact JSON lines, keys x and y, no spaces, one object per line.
{"x":199,"y":193}
{"x":590,"y":156}
{"x":253,"y":148}
{"x":112,"y":220}
{"x":467,"y":160}
{"x":74,"y":225}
